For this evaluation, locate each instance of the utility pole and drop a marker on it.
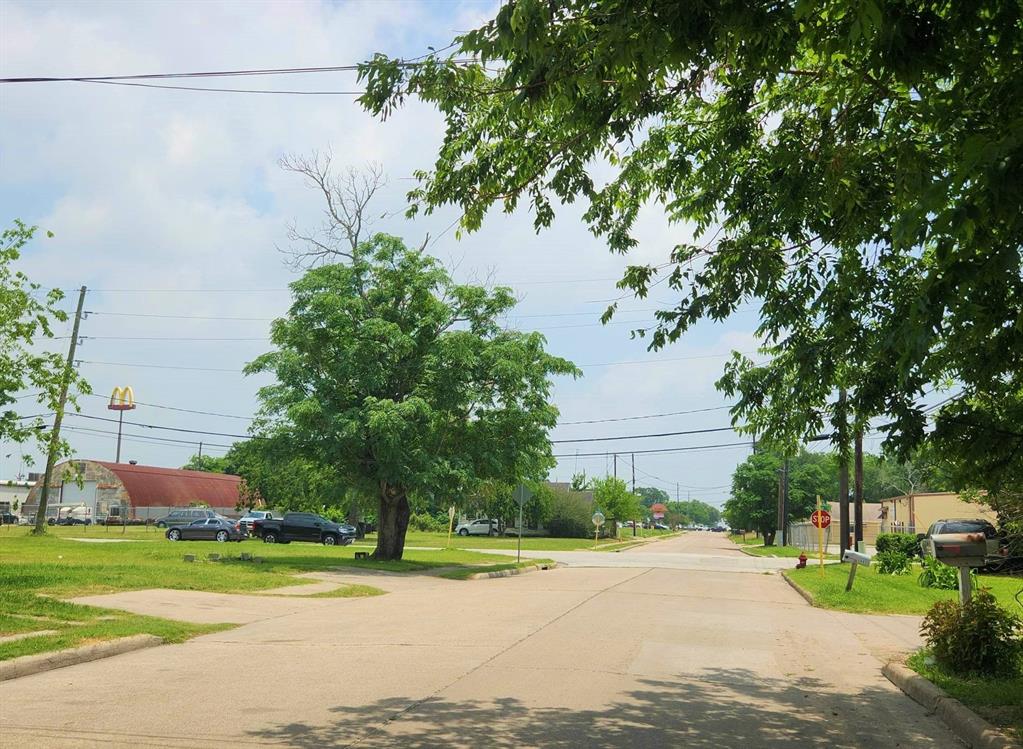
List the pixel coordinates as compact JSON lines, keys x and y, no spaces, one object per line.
{"x":858,"y":488}
{"x":785,"y":507}
{"x":51,"y":455}
{"x":634,"y":473}
{"x":843,"y":476}
{"x":676,"y":491}
{"x":200,"y":451}
{"x":616,"y":465}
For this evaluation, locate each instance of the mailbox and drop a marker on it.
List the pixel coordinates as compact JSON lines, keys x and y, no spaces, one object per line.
{"x":957,"y":549}
{"x":856,"y":557}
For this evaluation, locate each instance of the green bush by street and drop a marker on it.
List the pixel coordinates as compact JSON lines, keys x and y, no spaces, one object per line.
{"x":979,"y":637}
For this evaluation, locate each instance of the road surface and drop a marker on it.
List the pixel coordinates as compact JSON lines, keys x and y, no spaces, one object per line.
{"x":669,"y":652}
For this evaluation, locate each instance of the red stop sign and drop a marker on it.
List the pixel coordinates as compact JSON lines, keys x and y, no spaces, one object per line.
{"x":820,"y":518}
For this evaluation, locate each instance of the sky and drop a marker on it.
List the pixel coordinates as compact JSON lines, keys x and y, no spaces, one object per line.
{"x":170,"y":207}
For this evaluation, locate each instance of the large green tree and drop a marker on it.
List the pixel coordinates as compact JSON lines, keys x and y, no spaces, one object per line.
{"x":27,"y":318}
{"x":651,"y":495}
{"x":403,"y":381}
{"x":616,"y":502}
{"x":851,"y":166}
{"x":755,"y":486}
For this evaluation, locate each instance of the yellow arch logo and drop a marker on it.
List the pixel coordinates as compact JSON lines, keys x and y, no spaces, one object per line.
{"x":122,"y":399}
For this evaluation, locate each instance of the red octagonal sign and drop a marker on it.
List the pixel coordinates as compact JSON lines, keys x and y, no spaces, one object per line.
{"x":820,"y":518}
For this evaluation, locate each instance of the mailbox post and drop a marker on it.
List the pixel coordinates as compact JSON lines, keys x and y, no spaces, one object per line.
{"x":857,"y":558}
{"x":961,"y":550}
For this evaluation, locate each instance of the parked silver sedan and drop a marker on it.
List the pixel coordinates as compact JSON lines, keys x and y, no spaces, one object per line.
{"x":208,"y":529}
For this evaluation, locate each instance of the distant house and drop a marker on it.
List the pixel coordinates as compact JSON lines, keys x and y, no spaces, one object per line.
{"x":918,"y":511}
{"x":140,"y":492}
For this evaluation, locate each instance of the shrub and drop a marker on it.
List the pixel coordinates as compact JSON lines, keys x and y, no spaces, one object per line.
{"x":423,"y":521}
{"x":903,"y":543}
{"x":892,"y":563}
{"x":570,"y":516}
{"x":980,"y":637}
{"x":940,"y":575}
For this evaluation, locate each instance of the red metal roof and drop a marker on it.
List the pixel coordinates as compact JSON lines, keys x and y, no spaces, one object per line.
{"x":152,"y":486}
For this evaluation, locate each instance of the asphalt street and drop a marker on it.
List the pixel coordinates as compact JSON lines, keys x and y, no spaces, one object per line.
{"x":678,"y":644}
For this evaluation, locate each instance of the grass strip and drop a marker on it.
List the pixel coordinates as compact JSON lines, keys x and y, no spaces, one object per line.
{"x":998,"y":701}
{"x":875,"y":593}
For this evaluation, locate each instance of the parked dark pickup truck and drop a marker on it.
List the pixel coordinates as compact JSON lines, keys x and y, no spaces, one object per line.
{"x":303,"y":526}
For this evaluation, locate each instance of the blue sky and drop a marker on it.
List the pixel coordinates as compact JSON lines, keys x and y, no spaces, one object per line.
{"x":171,"y":203}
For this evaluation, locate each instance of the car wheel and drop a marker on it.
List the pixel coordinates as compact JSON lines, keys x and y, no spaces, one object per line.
{"x":330,"y":540}
{"x":222,"y":536}
{"x":269,"y":538}
{"x":174,"y":534}
{"x":463,"y":532}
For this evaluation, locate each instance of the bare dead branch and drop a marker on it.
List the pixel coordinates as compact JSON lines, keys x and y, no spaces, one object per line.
{"x":347,"y":194}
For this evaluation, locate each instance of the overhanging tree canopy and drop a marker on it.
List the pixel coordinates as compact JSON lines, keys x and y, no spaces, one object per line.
{"x":403,"y":381}
{"x":854,"y":166}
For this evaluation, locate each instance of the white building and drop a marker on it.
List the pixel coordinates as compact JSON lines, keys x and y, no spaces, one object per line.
{"x":12,"y":491}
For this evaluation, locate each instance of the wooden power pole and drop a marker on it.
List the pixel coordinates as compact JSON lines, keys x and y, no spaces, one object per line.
{"x":58,"y":417}
{"x":843,"y":476}
{"x":858,"y":488}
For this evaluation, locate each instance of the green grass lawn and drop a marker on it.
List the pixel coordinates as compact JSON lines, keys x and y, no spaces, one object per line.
{"x":1000,"y":701}
{"x":749,"y":540}
{"x":888,"y":594}
{"x":58,"y":566}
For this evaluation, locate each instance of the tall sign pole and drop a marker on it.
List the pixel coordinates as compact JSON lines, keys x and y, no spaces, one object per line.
{"x":58,"y":417}
{"x":820,"y":537}
{"x":121,"y":399}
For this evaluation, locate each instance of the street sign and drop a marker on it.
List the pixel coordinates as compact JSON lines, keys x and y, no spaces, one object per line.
{"x":820,"y":519}
{"x":451,"y":513}
{"x":522,"y":494}
{"x":598,"y":518}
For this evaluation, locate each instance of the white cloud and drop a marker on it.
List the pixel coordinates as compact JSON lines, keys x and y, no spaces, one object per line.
{"x":163,"y":190}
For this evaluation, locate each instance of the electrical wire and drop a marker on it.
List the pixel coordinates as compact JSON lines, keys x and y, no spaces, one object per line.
{"x":647,"y":416}
{"x":694,"y":448}
{"x":183,"y":410}
{"x":643,"y":436}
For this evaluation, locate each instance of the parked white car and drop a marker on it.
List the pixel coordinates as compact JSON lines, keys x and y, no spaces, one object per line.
{"x":478,"y":527}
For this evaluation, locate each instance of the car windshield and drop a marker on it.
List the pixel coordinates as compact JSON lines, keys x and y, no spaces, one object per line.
{"x":967,"y":526}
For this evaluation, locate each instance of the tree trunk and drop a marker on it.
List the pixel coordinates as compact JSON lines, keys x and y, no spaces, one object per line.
{"x":392,"y":522}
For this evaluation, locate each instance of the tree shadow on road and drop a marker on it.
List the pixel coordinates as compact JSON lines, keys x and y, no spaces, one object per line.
{"x":720,"y":708}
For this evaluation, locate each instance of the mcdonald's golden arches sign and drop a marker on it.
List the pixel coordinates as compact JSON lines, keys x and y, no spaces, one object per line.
{"x":122,"y":399}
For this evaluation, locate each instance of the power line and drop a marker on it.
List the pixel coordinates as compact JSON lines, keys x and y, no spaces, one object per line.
{"x":166,"y":428}
{"x":209,"y":73}
{"x":183,"y":410}
{"x":643,"y":436}
{"x":694,"y":448}
{"x":647,"y":416}
{"x":158,"y":366}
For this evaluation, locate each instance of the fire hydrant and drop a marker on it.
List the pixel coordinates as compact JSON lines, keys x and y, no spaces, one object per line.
{"x":802,"y":561}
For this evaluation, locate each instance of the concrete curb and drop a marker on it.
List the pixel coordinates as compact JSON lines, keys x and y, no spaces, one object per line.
{"x":973,"y":730}
{"x":27,"y":665}
{"x":805,"y":594}
{"x":509,"y":573}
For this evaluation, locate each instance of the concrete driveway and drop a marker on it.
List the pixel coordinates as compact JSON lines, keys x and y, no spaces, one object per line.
{"x":654,"y":656}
